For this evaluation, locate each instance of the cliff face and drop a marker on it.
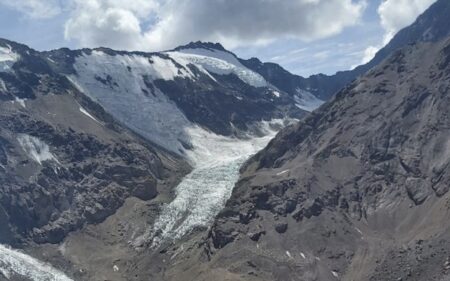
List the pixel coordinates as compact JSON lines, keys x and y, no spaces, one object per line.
{"x":64,"y":161}
{"x":356,"y":191}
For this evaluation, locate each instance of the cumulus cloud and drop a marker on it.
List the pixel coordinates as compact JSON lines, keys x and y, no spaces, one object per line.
{"x":234,"y":23}
{"x":109,"y":23}
{"x":395,"y":15}
{"x":37,"y":9}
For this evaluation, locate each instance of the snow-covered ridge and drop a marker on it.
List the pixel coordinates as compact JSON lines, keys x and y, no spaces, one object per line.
{"x":218,"y":62}
{"x":130,"y":96}
{"x":7,"y":58}
{"x":13,"y":262}
{"x":36,"y":149}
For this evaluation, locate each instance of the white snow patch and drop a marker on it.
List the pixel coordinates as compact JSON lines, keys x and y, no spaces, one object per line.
{"x":307,"y":101}
{"x":276,"y":93}
{"x":3,"y":86}
{"x":335,"y":274}
{"x":288,"y":254}
{"x":282,"y":172}
{"x":303,"y":255}
{"x":359,"y":231}
{"x":84,"y":111}
{"x":21,"y":102}
{"x":35,"y":148}
{"x":218,"y":62}
{"x":7,"y":58}
{"x":115,"y":268}
{"x":167,"y":70}
{"x":13,"y":262}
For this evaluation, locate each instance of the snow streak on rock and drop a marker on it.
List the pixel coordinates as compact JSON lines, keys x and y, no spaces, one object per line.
{"x":36,"y":149}
{"x":14,"y":263}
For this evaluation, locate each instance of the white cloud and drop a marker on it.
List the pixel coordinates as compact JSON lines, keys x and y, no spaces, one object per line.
{"x":37,"y":9}
{"x":369,"y":53}
{"x":109,"y":23}
{"x":395,"y":15}
{"x":234,"y":23}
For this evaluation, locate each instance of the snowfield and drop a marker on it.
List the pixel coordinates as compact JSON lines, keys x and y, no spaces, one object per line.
{"x":13,"y":262}
{"x":218,"y":62}
{"x":150,"y":114}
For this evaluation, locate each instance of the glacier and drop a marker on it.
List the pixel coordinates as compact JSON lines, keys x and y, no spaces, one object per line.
{"x":143,"y":112}
{"x":203,"y":193}
{"x":13,"y":262}
{"x":117,"y":83}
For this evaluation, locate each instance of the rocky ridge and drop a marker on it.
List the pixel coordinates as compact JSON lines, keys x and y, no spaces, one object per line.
{"x":356,"y":191}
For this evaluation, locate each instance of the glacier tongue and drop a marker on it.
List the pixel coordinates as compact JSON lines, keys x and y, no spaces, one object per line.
{"x":13,"y":263}
{"x":204,"y":192}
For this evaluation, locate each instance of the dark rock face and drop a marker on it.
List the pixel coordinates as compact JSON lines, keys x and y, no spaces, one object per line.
{"x":59,"y":168}
{"x":354,"y":191}
{"x":229,"y":101}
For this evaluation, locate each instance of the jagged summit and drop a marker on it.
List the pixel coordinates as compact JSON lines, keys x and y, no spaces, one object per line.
{"x":202,"y":45}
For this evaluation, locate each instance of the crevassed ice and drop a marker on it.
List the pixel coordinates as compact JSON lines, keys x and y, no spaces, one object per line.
{"x":218,"y":62}
{"x":13,"y":262}
{"x":35,"y":148}
{"x":204,"y":192}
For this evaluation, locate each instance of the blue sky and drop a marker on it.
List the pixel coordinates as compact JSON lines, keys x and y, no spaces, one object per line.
{"x":304,"y":36}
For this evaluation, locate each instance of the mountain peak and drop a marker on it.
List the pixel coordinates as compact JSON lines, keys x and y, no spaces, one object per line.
{"x":202,"y":45}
